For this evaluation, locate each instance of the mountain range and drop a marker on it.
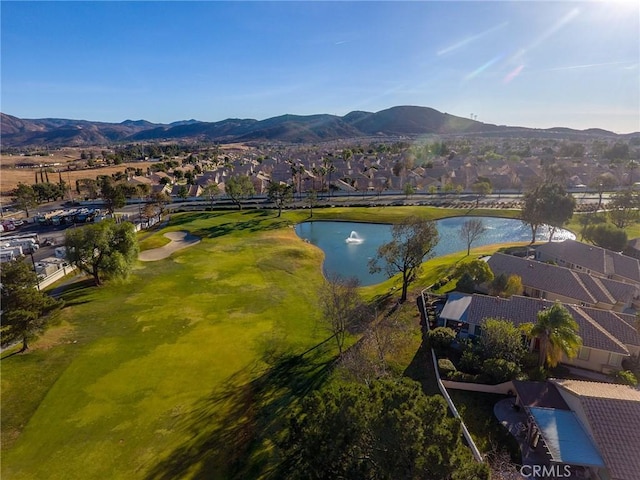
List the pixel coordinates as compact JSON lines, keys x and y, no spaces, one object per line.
{"x":401,"y":121}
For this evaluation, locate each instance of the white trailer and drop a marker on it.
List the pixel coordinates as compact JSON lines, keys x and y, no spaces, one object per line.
{"x":10,"y":253}
{"x":28,"y":245}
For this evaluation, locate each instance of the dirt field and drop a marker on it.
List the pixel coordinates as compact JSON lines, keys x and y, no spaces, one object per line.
{"x":10,"y":175}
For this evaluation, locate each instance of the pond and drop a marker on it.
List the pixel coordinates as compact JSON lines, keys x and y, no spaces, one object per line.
{"x":348,"y":246}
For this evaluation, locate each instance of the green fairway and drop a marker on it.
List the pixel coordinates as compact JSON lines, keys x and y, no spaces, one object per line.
{"x":138,"y":361}
{"x":190,"y":365}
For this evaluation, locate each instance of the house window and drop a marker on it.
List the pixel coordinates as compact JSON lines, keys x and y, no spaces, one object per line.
{"x":583,"y":353}
{"x":614,"y":360}
{"x":478,"y":330}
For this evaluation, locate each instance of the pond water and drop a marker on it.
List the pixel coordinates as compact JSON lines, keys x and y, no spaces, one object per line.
{"x":348,"y":246}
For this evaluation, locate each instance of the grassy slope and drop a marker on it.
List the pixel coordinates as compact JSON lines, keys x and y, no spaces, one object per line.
{"x":149,"y":351}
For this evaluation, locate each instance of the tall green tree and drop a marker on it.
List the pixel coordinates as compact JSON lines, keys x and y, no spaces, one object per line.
{"x":412,"y":242}
{"x":606,"y":235}
{"x":112,"y":194}
{"x":238,"y":188}
{"x":557,"y":332}
{"x":25,"y":309}
{"x":311,"y":199}
{"x":103,"y":250}
{"x":47,"y":191}
{"x":547,"y":203}
{"x":386,"y":430}
{"x":281,"y":194}
{"x":481,"y":189}
{"x":24,"y":197}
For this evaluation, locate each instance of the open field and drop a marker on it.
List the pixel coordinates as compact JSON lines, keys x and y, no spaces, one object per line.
{"x":10,"y":177}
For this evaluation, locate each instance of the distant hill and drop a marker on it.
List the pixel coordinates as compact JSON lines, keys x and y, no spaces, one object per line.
{"x":392,"y":122}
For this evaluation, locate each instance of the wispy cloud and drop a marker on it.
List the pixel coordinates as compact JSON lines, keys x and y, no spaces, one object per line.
{"x":470,"y":39}
{"x":629,"y":64}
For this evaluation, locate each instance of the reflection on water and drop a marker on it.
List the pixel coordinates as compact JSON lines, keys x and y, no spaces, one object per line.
{"x":348,"y":246}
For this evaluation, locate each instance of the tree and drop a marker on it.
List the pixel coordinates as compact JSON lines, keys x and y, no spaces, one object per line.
{"x":471,"y":230}
{"x":506,"y":285}
{"x":24,"y":197}
{"x":311,"y":200}
{"x":46,"y":191}
{"x":103,"y":250}
{"x":607,"y":236}
{"x":25,"y":309}
{"x":281,"y":194}
{"x":211,"y":191}
{"x":341,"y":306}
{"x":183,"y":192}
{"x":478,"y":271}
{"x":482,"y":189}
{"x":408,"y":190}
{"x":239,"y":187}
{"x":87,"y":186}
{"x":624,"y":208}
{"x":547,"y":203}
{"x":385,"y":430}
{"x":160,"y":200}
{"x":413,"y":241}
{"x":112,"y":194}
{"x":557,"y":332}
{"x":603,"y":183}
{"x":441,"y":338}
{"x":502,"y":339}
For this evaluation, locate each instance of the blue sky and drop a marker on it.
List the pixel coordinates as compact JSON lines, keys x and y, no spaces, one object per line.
{"x":526,"y":63}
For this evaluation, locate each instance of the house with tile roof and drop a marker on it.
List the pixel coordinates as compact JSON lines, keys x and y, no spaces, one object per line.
{"x":610,"y":415}
{"x":608,"y":337}
{"x":552,"y":282}
{"x":590,"y":259}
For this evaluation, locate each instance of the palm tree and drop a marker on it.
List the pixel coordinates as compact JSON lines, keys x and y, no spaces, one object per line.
{"x":558,"y":334}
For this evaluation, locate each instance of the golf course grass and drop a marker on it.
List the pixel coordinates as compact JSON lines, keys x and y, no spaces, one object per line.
{"x":147,"y":367}
{"x":187,"y":368}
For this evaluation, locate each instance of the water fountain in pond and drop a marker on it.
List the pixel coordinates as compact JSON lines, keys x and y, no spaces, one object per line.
{"x":354,"y":238}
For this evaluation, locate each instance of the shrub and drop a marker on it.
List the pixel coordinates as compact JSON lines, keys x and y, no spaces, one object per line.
{"x":441,"y":338}
{"x":626,"y":377}
{"x":446,"y":367}
{"x":501,"y":339}
{"x":459,"y":376}
{"x":537,"y":374}
{"x":500,"y":370}
{"x":606,"y":235}
{"x":470,"y":362}
{"x":530,"y":360}
{"x":466,"y":284}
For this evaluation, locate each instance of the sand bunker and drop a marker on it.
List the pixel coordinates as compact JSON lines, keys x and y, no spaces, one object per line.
{"x":179,"y":240}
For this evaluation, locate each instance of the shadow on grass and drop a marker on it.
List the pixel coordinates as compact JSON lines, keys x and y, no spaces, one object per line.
{"x":421,"y":370}
{"x":260,"y":221}
{"x":232,"y":429}
{"x":72,"y":292}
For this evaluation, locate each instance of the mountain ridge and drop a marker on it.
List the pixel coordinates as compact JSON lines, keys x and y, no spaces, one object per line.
{"x":398,"y":121}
